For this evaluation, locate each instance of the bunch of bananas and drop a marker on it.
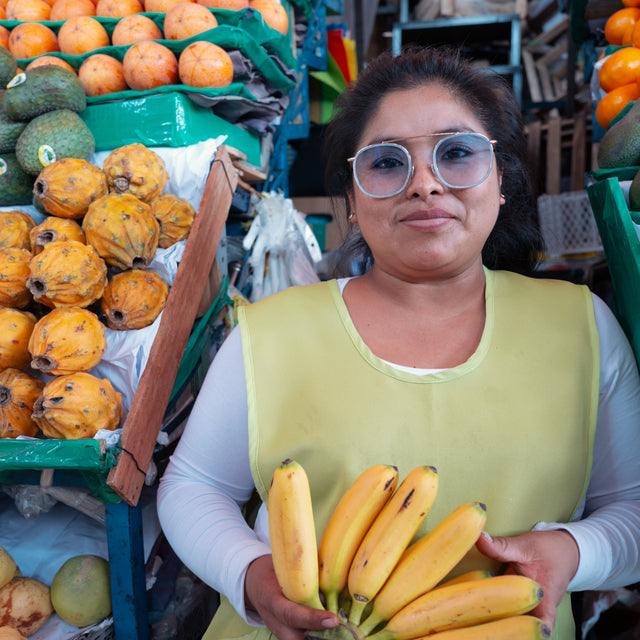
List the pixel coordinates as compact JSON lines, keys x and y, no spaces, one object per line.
{"x":380,"y":584}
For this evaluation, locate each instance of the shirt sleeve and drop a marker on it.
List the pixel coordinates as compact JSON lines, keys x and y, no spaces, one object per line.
{"x":208,"y":479}
{"x":607,"y":523}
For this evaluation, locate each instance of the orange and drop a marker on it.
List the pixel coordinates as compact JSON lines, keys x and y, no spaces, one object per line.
{"x":64,"y":9}
{"x":135,"y":28}
{"x":118,"y":8}
{"x":631,"y":3}
{"x":149,"y":64}
{"x":45,"y":60}
{"x":4,"y":37}
{"x":614,"y":102}
{"x":31,"y":39}
{"x":273,"y":13}
{"x":162,"y":6}
{"x":204,"y":64}
{"x":187,"y":19}
{"x":82,"y":34}
{"x":621,"y":67}
{"x":101,"y":74}
{"x":25,"y":10}
{"x":617,"y":23}
{"x":233,"y":5}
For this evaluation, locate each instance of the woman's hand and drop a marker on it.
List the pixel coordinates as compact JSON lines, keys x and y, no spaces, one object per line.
{"x":548,"y":557}
{"x":285,"y":619}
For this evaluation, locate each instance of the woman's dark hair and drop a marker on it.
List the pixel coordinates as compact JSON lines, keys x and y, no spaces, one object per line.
{"x":515,"y":242}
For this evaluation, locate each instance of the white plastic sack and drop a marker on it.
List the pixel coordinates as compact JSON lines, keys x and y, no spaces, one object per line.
{"x":283,"y":248}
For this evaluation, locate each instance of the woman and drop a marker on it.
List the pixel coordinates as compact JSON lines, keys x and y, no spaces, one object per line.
{"x":523,"y":393}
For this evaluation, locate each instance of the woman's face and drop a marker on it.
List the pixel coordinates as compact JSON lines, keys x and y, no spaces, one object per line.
{"x":428,"y":230}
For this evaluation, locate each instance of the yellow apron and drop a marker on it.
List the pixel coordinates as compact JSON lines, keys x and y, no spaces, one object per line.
{"x":512,"y":427}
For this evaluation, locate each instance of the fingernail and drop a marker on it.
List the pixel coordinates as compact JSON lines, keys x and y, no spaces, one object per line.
{"x":486,"y":536}
{"x":330,"y":623}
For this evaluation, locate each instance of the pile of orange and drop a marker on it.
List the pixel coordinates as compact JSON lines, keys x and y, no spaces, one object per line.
{"x":619,"y":74}
{"x":147,"y":63}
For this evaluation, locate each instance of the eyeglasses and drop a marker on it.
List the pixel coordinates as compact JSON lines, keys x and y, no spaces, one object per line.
{"x":459,"y":160}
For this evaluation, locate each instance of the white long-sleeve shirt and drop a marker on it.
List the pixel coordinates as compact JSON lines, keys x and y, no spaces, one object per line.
{"x":209,"y":478}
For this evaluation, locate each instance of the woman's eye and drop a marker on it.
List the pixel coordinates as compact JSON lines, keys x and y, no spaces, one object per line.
{"x":388,"y":162}
{"x":456,"y":153}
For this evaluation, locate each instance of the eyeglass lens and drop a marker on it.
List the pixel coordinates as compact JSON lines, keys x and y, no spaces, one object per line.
{"x":460,"y":161}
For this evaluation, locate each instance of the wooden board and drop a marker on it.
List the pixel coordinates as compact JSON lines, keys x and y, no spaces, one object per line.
{"x":145,"y":416}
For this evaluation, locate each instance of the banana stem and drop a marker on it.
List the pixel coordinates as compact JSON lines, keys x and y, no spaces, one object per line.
{"x":358,"y":604}
{"x":341,"y":632}
{"x":332,"y":601}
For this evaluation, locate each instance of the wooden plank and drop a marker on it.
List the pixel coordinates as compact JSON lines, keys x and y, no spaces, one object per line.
{"x":531,"y":73}
{"x":533,"y":132}
{"x":553,"y":155}
{"x":521,"y":8}
{"x":145,"y":416}
{"x":447,"y":7}
{"x":548,"y":36}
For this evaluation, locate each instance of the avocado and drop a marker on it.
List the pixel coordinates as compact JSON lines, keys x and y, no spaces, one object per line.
{"x":42,"y":89}
{"x":52,"y":136}
{"x":10,"y":129}
{"x":8,"y":66}
{"x":16,"y":186}
{"x":620,"y":145}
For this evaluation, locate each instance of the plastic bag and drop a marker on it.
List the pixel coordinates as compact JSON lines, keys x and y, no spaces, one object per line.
{"x":284,"y":250}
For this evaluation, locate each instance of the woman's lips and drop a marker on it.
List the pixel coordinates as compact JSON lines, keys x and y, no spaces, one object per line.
{"x":427,"y":219}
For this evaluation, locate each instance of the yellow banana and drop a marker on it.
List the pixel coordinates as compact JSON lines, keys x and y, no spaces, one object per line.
{"x":427,"y":561}
{"x":462,"y":605}
{"x":388,"y":537}
{"x":512,"y":628}
{"x":293,"y":535}
{"x":349,"y":523}
{"x":475,"y":574}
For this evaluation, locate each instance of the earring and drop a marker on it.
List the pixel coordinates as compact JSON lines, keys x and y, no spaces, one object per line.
{"x":352,"y":217}
{"x":503,"y":200}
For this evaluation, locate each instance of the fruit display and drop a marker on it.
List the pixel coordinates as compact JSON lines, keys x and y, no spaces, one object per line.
{"x":380,"y":580}
{"x":79,"y":593}
{"x":618,"y":73}
{"x":80,"y":272}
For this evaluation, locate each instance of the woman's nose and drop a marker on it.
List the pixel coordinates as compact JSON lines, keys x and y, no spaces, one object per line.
{"x":424,"y":180}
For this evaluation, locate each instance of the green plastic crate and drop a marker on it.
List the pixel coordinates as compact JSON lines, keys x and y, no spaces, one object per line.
{"x":621,"y":245}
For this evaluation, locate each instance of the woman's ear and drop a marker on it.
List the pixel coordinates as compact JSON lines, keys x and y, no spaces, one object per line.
{"x":353,"y":219}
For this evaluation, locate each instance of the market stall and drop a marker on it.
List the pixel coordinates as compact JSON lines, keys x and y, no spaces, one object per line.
{"x":91,"y":495}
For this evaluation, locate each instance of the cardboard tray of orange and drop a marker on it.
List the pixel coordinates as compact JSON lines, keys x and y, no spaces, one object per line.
{"x":269,"y":51}
{"x":125,"y":468}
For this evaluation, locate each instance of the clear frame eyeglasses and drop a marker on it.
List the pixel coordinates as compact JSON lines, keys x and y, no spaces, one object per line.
{"x":460,"y":160}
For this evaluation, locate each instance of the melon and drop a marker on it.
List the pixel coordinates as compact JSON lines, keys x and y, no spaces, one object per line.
{"x":11,"y":633}
{"x":7,"y":567}
{"x":25,"y":605}
{"x":80,"y":590}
